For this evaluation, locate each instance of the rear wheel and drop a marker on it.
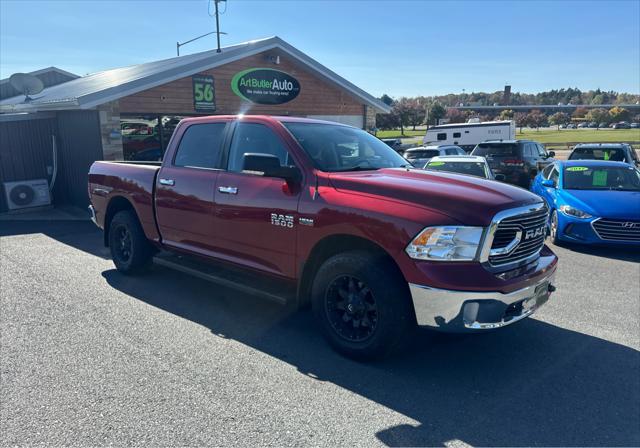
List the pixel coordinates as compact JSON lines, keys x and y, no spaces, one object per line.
{"x":362,"y":304}
{"x":130,"y":250}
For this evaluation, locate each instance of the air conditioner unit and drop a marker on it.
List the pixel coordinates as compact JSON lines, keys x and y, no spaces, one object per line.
{"x":27,"y":193}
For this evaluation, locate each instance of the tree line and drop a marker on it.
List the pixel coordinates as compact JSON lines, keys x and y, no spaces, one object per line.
{"x":412,"y":112}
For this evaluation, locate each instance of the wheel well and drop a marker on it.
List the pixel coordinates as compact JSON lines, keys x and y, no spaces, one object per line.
{"x":329,"y":247}
{"x":116,"y":205}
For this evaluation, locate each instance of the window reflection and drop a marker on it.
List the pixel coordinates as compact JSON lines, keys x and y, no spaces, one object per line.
{"x":146,"y":137}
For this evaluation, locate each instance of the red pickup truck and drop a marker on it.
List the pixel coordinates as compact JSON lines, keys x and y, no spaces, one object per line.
{"x":305,"y":211}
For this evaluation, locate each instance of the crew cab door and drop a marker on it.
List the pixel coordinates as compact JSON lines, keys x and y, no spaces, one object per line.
{"x":185,"y":187}
{"x":256,"y":217}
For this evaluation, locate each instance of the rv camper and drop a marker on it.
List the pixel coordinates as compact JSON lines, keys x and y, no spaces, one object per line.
{"x":468,"y":135}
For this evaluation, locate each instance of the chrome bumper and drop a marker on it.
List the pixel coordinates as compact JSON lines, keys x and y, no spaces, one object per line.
{"x":92,"y":213}
{"x":459,"y":311}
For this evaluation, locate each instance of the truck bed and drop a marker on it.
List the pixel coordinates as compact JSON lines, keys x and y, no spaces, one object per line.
{"x":134,"y":181}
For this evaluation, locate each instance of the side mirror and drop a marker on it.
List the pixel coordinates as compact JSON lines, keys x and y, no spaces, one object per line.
{"x":551,"y":154}
{"x":268,"y":165}
{"x":501,"y":177}
{"x":548,"y":183}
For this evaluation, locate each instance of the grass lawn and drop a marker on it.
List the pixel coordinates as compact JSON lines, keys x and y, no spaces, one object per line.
{"x":555,"y":138}
{"x":396,"y":133}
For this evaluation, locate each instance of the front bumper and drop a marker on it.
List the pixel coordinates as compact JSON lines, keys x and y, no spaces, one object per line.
{"x":575,"y":230}
{"x":461,"y":311}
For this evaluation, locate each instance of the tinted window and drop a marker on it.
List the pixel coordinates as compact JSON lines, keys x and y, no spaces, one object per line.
{"x":541,"y":151}
{"x":615,"y":154}
{"x":254,"y":138}
{"x":457,"y":135}
{"x":442,"y":136}
{"x":547,"y":171}
{"x":343,"y":148}
{"x":200,"y":146}
{"x":451,"y":152}
{"x":601,"y":178}
{"x":422,"y":154}
{"x":529,"y":150}
{"x":496,"y":150}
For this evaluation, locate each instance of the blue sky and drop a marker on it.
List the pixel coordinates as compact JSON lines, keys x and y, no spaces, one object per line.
{"x":402,"y":48}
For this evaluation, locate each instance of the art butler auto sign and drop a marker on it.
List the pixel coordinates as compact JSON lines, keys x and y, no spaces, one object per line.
{"x":265,"y":86}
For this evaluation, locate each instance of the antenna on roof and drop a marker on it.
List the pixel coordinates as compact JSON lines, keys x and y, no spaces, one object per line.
{"x":26,"y":84}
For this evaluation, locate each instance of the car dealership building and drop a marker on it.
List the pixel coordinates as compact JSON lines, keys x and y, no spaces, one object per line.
{"x":130,"y":113}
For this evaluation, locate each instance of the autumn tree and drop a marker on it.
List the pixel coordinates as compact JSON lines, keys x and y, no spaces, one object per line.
{"x":536,"y":118}
{"x":521,"y":119}
{"x":436,"y":112}
{"x":506,"y":114}
{"x":598,"y":116}
{"x":559,"y":118}
{"x":619,"y":114}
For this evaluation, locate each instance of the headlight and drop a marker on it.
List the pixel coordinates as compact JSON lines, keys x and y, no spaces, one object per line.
{"x":446,"y":243}
{"x":574,"y":212}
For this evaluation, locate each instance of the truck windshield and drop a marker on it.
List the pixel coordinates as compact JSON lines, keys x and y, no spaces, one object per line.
{"x":601,"y":178}
{"x":496,"y":150}
{"x":342,"y":148}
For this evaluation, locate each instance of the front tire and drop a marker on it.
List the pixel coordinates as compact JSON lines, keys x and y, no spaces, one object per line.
{"x":362,"y":304}
{"x":553,"y":228}
{"x":130,"y":250}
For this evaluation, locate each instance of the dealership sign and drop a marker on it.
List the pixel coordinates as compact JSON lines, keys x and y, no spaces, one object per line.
{"x":265,"y":86}
{"x":204,"y":97}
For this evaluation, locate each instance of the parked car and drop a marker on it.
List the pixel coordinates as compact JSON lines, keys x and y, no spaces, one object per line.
{"x":583,"y":125}
{"x":571,"y":126}
{"x":593,"y":124}
{"x":590,"y":201}
{"x":329,"y":215}
{"x":420,"y":155}
{"x":469,"y":165}
{"x":394,"y":143}
{"x":617,"y":152}
{"x":634,"y":125}
{"x":622,"y":125}
{"x":603,"y":125}
{"x":518,"y":160}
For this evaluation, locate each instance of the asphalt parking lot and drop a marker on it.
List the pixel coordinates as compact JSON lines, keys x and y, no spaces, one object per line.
{"x":90,"y":357}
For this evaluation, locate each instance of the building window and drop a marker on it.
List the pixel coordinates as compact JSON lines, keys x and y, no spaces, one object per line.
{"x":146,"y":137}
{"x":442,"y":136}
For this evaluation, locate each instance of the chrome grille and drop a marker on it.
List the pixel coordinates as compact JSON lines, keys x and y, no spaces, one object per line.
{"x":523,"y":226}
{"x":617,"y":229}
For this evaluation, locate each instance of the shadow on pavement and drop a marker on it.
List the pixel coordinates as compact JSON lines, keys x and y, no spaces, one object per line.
{"x":530,"y":384}
{"x":82,"y":235}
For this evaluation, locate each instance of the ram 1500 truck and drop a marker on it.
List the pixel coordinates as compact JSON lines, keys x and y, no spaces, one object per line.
{"x":306,"y":211}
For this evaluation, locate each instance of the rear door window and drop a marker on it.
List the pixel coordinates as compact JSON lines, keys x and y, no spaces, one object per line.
{"x":200,"y":146}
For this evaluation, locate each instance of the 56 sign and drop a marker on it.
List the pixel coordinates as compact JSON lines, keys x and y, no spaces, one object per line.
{"x":204,"y":98}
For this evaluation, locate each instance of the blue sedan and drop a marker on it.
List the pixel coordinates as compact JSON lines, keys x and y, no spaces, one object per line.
{"x":591,"y":202}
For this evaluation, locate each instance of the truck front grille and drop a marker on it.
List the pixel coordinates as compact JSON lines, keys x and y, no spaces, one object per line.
{"x":617,"y":229}
{"x":525,"y":232}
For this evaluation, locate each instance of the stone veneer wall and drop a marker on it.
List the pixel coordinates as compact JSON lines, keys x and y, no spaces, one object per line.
{"x":110,"y":133}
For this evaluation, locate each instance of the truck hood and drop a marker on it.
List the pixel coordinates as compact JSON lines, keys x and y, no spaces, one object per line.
{"x":468,"y":200}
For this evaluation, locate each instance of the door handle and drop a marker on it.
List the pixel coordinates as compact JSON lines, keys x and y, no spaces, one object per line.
{"x":169,"y":182}
{"x":228,"y":190}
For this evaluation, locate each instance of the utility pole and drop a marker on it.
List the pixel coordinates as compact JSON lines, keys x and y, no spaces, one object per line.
{"x":217,"y":26}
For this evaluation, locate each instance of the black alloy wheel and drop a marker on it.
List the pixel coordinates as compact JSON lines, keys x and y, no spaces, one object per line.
{"x":351,"y":308}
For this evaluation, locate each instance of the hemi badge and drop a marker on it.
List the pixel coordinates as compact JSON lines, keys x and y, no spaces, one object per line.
{"x":305,"y":222}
